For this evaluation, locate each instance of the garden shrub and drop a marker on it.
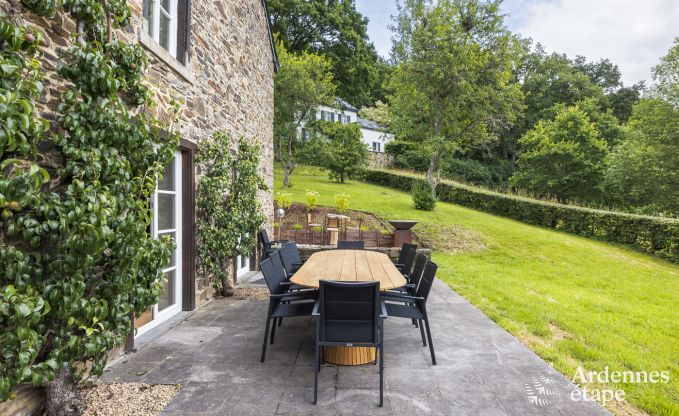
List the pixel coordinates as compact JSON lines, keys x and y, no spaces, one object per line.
{"x":466,"y":170}
{"x":423,"y":196}
{"x":653,"y":235}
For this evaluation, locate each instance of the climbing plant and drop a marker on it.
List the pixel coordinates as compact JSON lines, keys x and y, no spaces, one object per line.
{"x":76,"y":259}
{"x":229,"y":212}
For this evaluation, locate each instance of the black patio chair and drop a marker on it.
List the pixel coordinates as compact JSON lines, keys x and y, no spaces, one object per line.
{"x":407,"y":266}
{"x":413,"y":277}
{"x":350,"y":245}
{"x":289,"y":254}
{"x":282,"y":303}
{"x":349,"y":314}
{"x":415,"y":307}
{"x":267,"y":244}
{"x":404,"y":253}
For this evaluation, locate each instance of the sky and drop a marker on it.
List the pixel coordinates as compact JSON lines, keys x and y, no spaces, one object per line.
{"x":633,"y":34}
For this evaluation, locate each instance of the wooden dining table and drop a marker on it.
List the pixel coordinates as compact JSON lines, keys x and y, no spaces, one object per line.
{"x":349,"y":266}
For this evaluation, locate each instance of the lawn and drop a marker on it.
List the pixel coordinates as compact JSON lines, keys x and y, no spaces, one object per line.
{"x":572,"y":300}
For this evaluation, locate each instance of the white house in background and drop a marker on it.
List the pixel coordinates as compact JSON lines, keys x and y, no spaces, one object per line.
{"x":373,"y":135}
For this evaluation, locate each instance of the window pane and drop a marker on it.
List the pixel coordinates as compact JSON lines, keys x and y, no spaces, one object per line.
{"x":166,"y":211}
{"x":149,"y":6}
{"x":144,"y":318}
{"x":174,"y":252}
{"x":164,"y":40}
{"x":167,"y":297}
{"x":167,"y":181}
{"x":166,"y":5}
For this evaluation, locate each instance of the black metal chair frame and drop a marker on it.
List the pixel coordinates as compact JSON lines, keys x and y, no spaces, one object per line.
{"x":400,"y":263}
{"x":377,"y":337}
{"x":290,"y":257}
{"x":350,"y":245}
{"x":267,"y":244}
{"x":415,"y":307}
{"x":282,"y":304}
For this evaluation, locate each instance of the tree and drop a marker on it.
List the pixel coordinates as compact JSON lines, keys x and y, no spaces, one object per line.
{"x":562,"y":158}
{"x":452,"y":81}
{"x":345,"y":154}
{"x":666,"y":76}
{"x":379,"y":113}
{"x":303,"y":82}
{"x":644,"y":169}
{"x":336,"y":30}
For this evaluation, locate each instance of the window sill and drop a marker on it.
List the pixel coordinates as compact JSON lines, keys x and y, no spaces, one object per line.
{"x":152,"y":46}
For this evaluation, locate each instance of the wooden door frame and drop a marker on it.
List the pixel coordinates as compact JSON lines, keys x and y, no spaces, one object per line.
{"x":188,"y":151}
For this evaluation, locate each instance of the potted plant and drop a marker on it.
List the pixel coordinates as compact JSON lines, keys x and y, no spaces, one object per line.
{"x":311,"y":202}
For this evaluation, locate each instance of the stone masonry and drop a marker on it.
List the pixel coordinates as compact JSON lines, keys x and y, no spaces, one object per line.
{"x":227,"y":82}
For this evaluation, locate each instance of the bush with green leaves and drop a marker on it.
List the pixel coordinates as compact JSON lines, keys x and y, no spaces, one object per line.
{"x":342,"y":202}
{"x":229,"y":212}
{"x":423,"y":196}
{"x":345,"y":153}
{"x":653,"y":235}
{"x":76,"y":258}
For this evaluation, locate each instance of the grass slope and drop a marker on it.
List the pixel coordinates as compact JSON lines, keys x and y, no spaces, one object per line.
{"x":572,"y":300}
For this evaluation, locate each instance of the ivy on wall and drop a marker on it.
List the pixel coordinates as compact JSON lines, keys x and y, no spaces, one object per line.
{"x":76,"y":258}
{"x":229,"y":212}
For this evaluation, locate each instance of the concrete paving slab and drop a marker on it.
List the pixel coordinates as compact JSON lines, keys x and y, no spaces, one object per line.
{"x":482,"y":369}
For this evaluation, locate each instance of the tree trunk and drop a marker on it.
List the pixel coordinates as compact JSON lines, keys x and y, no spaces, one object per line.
{"x":60,"y":396}
{"x":286,"y":177}
{"x":433,"y":168}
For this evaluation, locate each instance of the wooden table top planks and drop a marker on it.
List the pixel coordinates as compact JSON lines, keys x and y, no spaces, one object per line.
{"x":349,"y":266}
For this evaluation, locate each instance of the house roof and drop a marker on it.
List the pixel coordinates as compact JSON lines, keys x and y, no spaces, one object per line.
{"x":345,"y":105}
{"x":370,"y":125}
{"x":276,"y":63}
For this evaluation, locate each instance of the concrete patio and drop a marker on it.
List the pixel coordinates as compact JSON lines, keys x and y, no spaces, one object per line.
{"x":482,"y":369}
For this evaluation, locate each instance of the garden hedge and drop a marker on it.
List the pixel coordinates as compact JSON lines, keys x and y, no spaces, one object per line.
{"x":653,"y":235}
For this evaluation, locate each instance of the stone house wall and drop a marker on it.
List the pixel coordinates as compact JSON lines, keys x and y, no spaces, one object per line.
{"x":227,"y":82}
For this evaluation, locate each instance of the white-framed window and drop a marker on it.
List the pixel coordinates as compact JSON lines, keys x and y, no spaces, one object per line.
{"x":377,"y":147}
{"x":332,"y":117}
{"x":348,"y":119}
{"x":162,"y":22}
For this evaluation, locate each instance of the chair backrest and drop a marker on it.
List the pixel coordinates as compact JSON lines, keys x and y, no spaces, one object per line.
{"x":427,"y":279}
{"x":272,"y":269}
{"x":349,"y":311}
{"x":416,"y":274}
{"x":264,"y":237}
{"x":350,"y":245}
{"x":289,"y":255}
{"x":404,"y":252}
{"x":408,"y":262}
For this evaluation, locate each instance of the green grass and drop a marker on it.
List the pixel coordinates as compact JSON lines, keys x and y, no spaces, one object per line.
{"x":572,"y":300}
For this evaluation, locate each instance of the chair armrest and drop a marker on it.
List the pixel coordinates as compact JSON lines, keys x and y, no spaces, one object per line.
{"x":314,"y":311}
{"x":383,"y":313}
{"x":402,"y":298}
{"x":283,"y":296}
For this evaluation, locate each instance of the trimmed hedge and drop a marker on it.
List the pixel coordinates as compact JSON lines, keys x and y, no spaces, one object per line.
{"x":653,"y":235}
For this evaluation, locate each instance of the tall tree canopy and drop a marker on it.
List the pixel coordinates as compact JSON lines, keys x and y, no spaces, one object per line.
{"x":562,"y":158}
{"x":335,"y":29}
{"x":643,"y":170}
{"x":452,"y":81}
{"x":303,"y":82}
{"x":666,"y":76}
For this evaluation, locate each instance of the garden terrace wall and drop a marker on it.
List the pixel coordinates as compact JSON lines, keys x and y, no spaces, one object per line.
{"x":653,"y":235}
